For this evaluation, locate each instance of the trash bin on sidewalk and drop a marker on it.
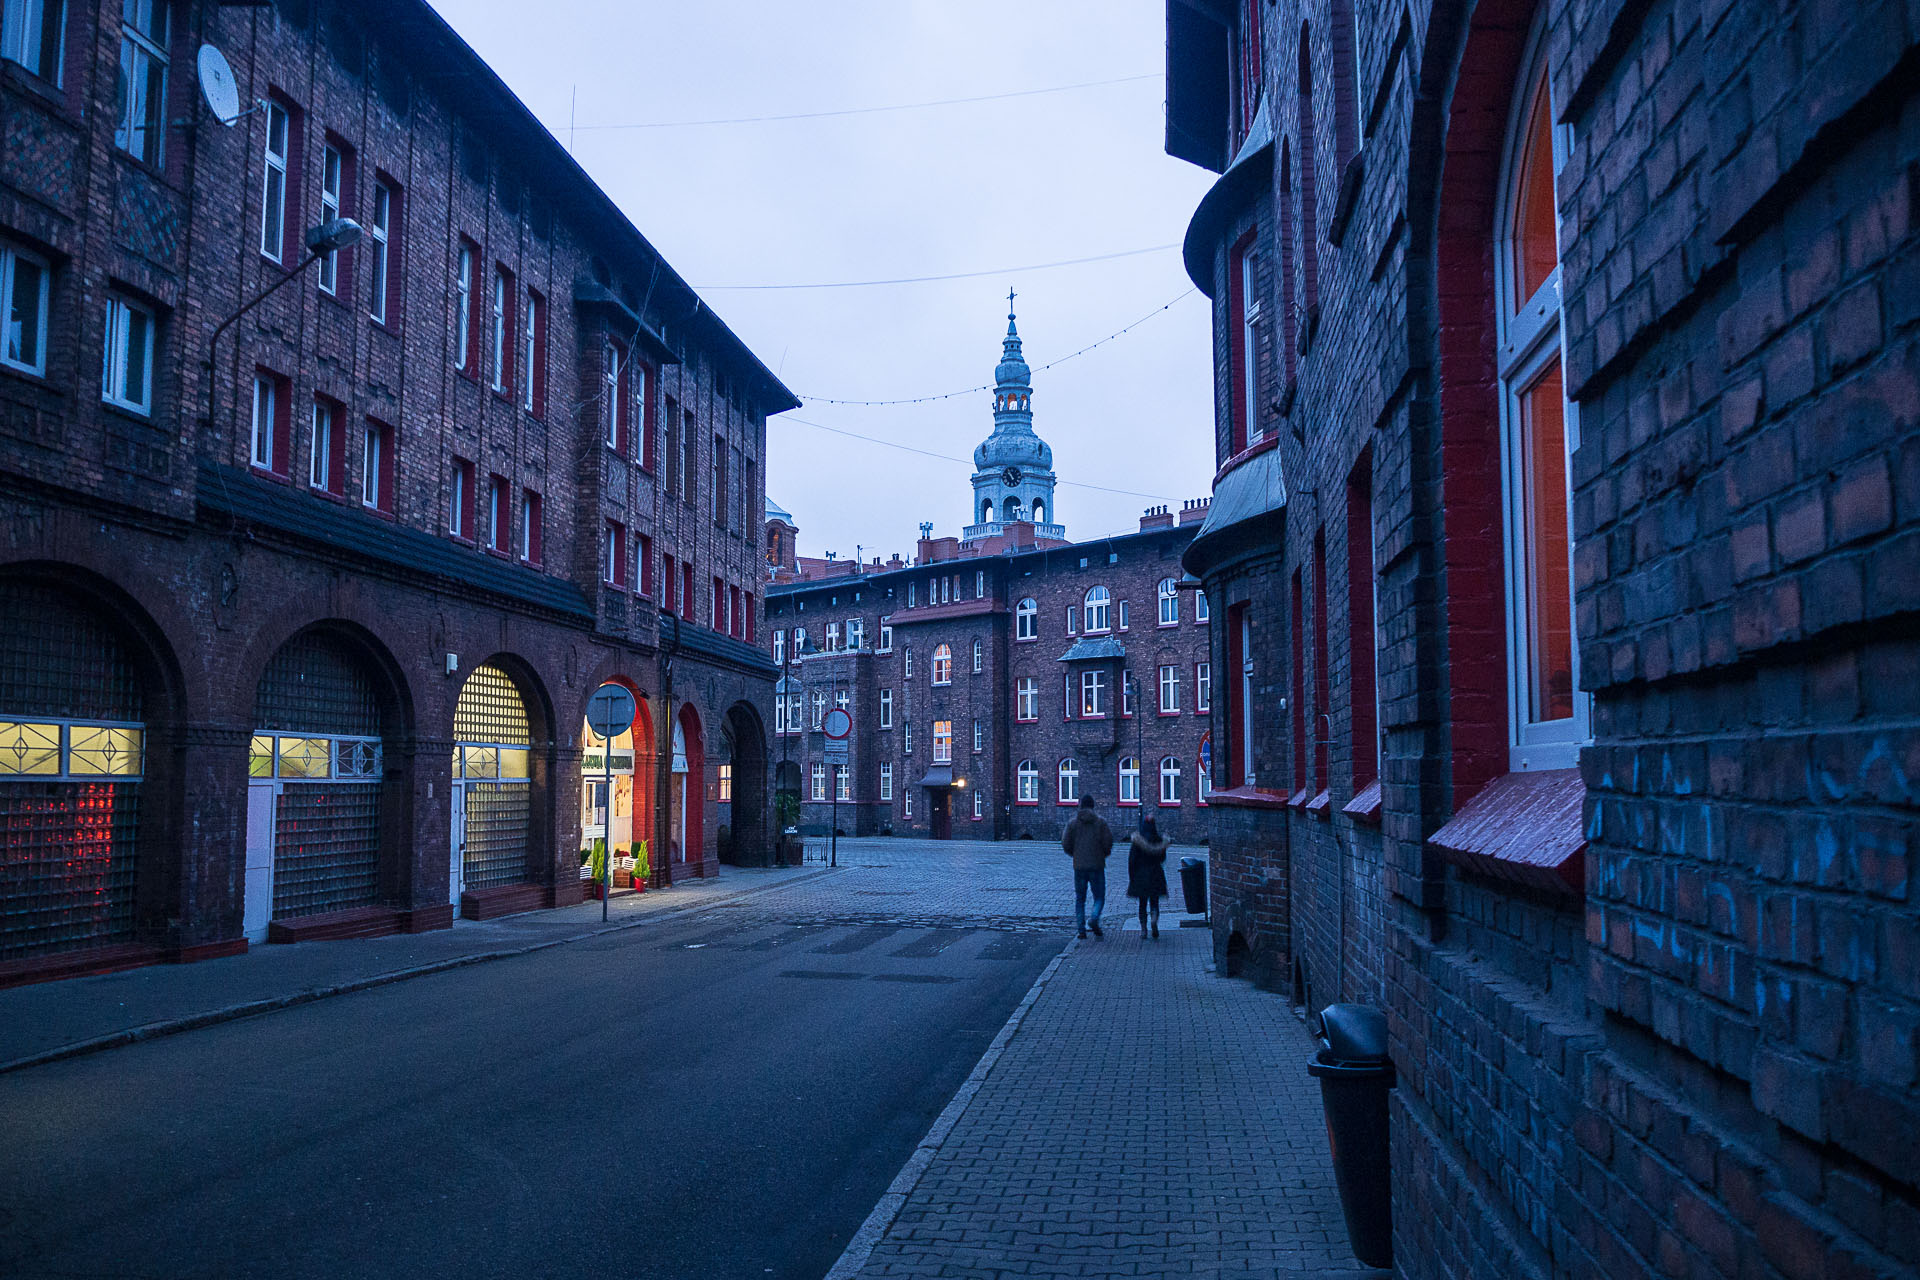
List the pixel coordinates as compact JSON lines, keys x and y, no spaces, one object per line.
{"x":1193,"y":883}
{"x":1355,"y":1074}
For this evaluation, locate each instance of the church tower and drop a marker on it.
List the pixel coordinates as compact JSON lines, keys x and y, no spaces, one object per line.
{"x":1013,"y":468}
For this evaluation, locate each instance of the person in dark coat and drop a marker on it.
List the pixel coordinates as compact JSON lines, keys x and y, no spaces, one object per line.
{"x":1147,"y":872}
{"x":1090,"y":840}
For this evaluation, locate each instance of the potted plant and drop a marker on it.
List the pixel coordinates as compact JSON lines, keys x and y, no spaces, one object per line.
{"x":597,"y":868}
{"x":642,"y":866}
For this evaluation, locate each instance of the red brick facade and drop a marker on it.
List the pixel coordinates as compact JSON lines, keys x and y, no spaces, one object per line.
{"x":466,"y":496}
{"x":1650,"y":987}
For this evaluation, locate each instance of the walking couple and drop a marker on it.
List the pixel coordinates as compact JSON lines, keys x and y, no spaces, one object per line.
{"x":1089,"y":840}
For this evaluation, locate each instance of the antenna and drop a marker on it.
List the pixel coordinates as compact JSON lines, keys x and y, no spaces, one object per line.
{"x":218,"y":86}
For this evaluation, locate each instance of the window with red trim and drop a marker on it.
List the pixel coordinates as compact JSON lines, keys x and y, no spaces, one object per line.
{"x":380,"y":442}
{"x":534,"y":337}
{"x":1297,"y":622}
{"x":501,"y":321}
{"x":272,"y":448}
{"x":646,"y":565}
{"x":649,"y":425}
{"x":460,"y":499}
{"x":1361,"y":641}
{"x":530,"y":531}
{"x":671,"y":583}
{"x":1243,"y":317}
{"x":686,"y":590}
{"x":466,"y":308}
{"x":1322,"y":711}
{"x":616,"y":554}
{"x":499,"y":515}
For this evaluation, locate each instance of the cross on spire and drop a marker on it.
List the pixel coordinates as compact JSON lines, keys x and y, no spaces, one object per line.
{"x":1010,"y":297}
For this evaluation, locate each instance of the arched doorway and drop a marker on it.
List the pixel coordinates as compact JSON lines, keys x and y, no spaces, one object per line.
{"x":74,"y":706}
{"x":686,"y":834}
{"x":743,"y":789}
{"x":617,"y":786}
{"x":492,"y":797}
{"x":315,"y":774}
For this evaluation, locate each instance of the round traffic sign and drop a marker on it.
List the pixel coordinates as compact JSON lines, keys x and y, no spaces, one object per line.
{"x":838,"y":724}
{"x":610,"y":710}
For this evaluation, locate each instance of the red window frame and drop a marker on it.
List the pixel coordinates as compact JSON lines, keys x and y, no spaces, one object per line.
{"x":282,"y":468}
{"x":1298,"y":625}
{"x":509,"y":328}
{"x":646,"y":565}
{"x":686,"y":590}
{"x":462,"y":479}
{"x":532,"y":533}
{"x":499,"y":515}
{"x":389,"y":445}
{"x":649,"y":426}
{"x":475,"y":311}
{"x":537,"y":375}
{"x":671,"y":581}
{"x":1361,"y":640}
{"x":1322,"y":710}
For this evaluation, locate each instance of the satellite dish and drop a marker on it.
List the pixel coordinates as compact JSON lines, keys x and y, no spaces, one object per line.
{"x":217,"y":85}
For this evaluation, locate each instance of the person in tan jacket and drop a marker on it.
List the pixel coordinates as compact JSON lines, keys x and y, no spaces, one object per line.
{"x":1090,"y":841}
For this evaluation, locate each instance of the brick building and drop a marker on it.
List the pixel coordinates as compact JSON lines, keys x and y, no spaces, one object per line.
{"x":303,"y":601}
{"x":1567,"y":544}
{"x":1001,"y":674}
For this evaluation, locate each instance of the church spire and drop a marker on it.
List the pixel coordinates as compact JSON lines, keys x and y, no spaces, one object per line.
{"x":1013,"y":467}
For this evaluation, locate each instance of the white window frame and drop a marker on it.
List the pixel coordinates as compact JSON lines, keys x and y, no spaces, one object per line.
{"x":500,"y":329}
{"x":856,"y":633}
{"x":1129,"y":780}
{"x":266,"y":408}
{"x":379,"y":229}
{"x":979,"y":804}
{"x":333,"y":168}
{"x":886,"y":708}
{"x":943,"y":742}
{"x":142,"y":125}
{"x":528,"y":520}
{"x":273,"y":182}
{"x":819,"y":781}
{"x":463,"y":306}
{"x":886,"y":639}
{"x":1093,"y":694}
{"x":979,"y":735}
{"x":499,"y":515}
{"x":1202,"y":611}
{"x":615,"y":554}
{"x":1529,"y":342}
{"x":12,"y":342}
{"x":1067,"y":781}
{"x":906,"y":737}
{"x":1026,"y":699}
{"x":1240,"y":732}
{"x":940,"y":671}
{"x":118,"y":374}
{"x":1121,"y":621}
{"x":25,"y":40}
{"x":833,"y":637}
{"x":842,"y":783}
{"x":320,"y":447}
{"x":979,"y":656}
{"x":979,"y":583}
{"x":530,"y":315}
{"x":1251,"y":426}
{"x":779,"y":648}
{"x":1170,"y":781}
{"x":372,"y":446}
{"x":886,"y":782}
{"x":1202,"y":687}
{"x":1170,"y":689}
{"x":1098,"y":606}
{"x":457,"y":500}
{"x":906,"y":800}
{"x":1026,"y":619}
{"x":1168,"y":593}
{"x":1128,"y":693}
{"x":1028,"y":782}
{"x":1073,"y":621}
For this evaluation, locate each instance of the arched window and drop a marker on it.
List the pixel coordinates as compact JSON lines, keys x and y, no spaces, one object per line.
{"x":986,"y":511}
{"x":979,"y":655}
{"x":1069,"y":781}
{"x":1029,"y":775}
{"x":1026,"y":620}
{"x":943,"y":664}
{"x":1130,"y":780}
{"x":1013,"y":508}
{"x":1538,"y":436}
{"x":1099,"y":609}
{"x":1039,"y":511}
{"x":1169,"y":780}
{"x":1169,"y":592}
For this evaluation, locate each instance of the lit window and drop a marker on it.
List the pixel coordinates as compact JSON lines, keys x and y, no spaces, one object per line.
{"x":726,"y":784}
{"x":1202,"y":687}
{"x":1169,"y":781}
{"x":886,"y":782}
{"x":1027,"y":620}
{"x":379,"y":227}
{"x":23,"y":309}
{"x":1130,"y":780}
{"x":1093,"y":694}
{"x":127,"y":369}
{"x":1029,"y":783}
{"x":332,"y":178}
{"x":1069,"y":781}
{"x":1098,"y":609}
{"x":1169,"y":690}
{"x":142,"y":86}
{"x":1026,"y":699}
{"x":273,"y":193}
{"x":31,"y":34}
{"x":886,"y":708}
{"x":943,"y":742}
{"x":943,"y":664}
{"x":1539,"y":433}
{"x":1169,"y":593}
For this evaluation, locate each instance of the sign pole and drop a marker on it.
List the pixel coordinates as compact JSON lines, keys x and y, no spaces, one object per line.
{"x":833,"y":837}
{"x":606,"y":870}
{"x":609,"y":714}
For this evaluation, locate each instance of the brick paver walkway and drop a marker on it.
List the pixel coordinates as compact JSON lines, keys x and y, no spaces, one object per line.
{"x":1148,"y":1118}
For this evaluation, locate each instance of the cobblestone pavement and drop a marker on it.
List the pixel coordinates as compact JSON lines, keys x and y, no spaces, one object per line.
{"x":1148,"y":1118}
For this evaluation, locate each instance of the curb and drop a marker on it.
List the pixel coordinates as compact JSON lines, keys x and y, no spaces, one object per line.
{"x":233,"y":1013}
{"x":861,"y":1247}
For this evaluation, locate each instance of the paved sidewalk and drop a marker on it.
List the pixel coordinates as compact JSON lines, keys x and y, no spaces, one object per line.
{"x":1147,"y":1118}
{"x":77,"y":1015}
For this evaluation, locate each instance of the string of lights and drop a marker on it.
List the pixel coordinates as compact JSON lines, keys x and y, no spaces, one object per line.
{"x":954,"y":275}
{"x":864,"y":111}
{"x":988,"y":386}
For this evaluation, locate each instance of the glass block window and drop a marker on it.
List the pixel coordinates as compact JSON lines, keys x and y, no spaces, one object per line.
{"x":315,"y":684}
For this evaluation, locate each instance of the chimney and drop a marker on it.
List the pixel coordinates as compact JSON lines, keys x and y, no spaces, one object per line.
{"x":1195,"y":510}
{"x":1156,"y":518}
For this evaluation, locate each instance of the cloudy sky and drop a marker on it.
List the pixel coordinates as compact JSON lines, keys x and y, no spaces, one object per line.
{"x":878,"y":195}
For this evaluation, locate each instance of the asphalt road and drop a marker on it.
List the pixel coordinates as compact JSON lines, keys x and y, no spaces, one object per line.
{"x":725,"y":1095}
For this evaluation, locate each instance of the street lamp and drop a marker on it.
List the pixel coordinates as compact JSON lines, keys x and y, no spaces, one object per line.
{"x":329,"y":237}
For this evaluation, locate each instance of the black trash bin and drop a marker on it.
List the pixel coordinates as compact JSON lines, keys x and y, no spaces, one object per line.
{"x":1193,"y":883}
{"x":1355,"y":1074}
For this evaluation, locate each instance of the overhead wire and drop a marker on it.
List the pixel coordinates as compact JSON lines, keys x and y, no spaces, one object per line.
{"x":954,"y":275}
{"x":863,"y":111}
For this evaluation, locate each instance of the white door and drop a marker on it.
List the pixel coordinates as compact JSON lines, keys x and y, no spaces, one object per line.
{"x":457,"y":842}
{"x":257,"y":913}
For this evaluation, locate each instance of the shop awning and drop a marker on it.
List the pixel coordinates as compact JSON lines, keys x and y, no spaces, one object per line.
{"x":940,"y":775}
